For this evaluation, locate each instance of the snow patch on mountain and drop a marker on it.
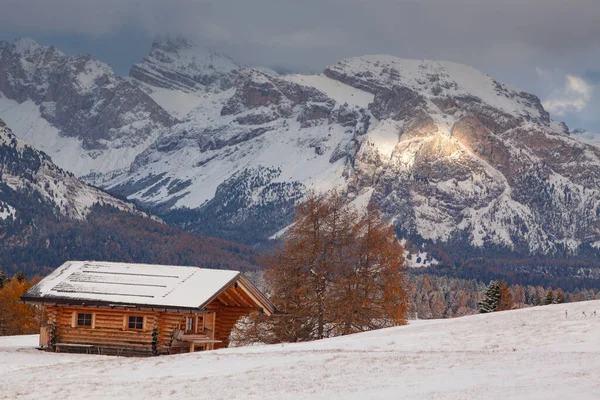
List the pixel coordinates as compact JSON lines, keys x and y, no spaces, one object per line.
{"x":91,"y":72}
{"x":178,"y":103}
{"x":67,"y":152}
{"x":336,"y":90}
{"x":432,"y":78}
{"x":384,"y":137}
{"x":6,"y":210}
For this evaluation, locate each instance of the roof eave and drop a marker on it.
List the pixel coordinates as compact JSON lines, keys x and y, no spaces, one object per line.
{"x":107,"y":304}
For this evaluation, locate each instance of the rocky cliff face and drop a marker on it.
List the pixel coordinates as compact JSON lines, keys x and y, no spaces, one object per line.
{"x":469,"y":159}
{"x":94,"y":113}
{"x":449,"y":154}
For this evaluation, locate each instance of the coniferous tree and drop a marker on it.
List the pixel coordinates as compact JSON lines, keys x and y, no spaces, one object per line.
{"x":549,"y":298}
{"x":491,"y":299}
{"x":560,"y":297}
{"x":506,"y":300}
{"x":3,"y":279}
{"x":337,"y":272}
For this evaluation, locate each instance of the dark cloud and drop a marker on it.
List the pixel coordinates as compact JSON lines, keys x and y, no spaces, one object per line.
{"x":497,"y":36}
{"x":313,"y":32}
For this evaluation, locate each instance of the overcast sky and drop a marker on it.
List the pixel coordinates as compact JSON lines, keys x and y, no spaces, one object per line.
{"x":548,"y":47}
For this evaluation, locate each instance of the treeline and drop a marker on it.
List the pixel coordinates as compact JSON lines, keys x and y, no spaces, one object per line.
{"x":446,"y":297}
{"x":562,"y":270}
{"x":109,"y":234}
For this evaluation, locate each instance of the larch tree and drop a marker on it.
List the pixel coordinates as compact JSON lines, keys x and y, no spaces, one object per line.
{"x":17,"y":318}
{"x":560,"y":297}
{"x":302,"y":271}
{"x":336,"y":272}
{"x":372,"y":286}
{"x":506,"y":299}
{"x":549,"y":298}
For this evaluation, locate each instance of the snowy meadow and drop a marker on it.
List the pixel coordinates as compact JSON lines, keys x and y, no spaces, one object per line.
{"x":535,"y":353}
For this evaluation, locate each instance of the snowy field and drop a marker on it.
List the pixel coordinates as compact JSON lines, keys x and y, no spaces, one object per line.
{"x":534,"y":353}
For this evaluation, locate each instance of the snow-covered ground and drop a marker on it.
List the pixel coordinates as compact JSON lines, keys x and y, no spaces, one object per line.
{"x":534,"y":353}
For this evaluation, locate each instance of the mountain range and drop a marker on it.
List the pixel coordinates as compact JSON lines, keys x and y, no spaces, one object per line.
{"x":454,"y":158}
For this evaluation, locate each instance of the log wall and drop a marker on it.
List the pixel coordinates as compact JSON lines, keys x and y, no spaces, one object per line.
{"x":226,"y":318}
{"x":110,"y":328}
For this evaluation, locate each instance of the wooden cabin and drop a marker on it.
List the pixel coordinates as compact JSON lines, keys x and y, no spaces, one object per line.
{"x":140,"y":309}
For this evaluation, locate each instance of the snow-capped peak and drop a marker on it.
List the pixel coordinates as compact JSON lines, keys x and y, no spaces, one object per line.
{"x":183,"y":54}
{"x":26,"y":46}
{"x":176,"y":63}
{"x":436,"y":79}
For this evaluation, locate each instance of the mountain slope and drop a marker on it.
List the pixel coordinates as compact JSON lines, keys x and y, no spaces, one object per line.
{"x":473,"y":159}
{"x":533,"y":353}
{"x":245,"y":157}
{"x":26,"y":170}
{"x":48,"y":216}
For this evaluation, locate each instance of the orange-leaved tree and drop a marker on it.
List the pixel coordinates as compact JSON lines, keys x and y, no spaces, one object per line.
{"x":17,"y":318}
{"x":336,"y":272}
{"x":506,"y":300}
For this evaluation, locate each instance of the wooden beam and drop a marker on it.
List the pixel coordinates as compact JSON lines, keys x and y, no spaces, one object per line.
{"x":244,"y":299}
{"x":229,"y":298}
{"x":254,"y":298}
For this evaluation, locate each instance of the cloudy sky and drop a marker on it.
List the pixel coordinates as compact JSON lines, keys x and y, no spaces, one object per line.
{"x":548,"y":47}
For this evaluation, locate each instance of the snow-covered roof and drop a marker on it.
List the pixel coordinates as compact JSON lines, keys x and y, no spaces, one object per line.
{"x":134,"y":284}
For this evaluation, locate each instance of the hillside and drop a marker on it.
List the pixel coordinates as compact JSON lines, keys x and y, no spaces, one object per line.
{"x":48,"y":216}
{"x":533,"y":353}
{"x":453,"y":157}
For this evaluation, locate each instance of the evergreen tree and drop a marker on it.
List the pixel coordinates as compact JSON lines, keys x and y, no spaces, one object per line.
{"x":491,"y":299}
{"x":20,"y":277}
{"x":3,"y":279}
{"x":549,"y":299}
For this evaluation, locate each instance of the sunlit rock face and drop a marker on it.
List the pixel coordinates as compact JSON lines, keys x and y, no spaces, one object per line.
{"x":455,"y":155}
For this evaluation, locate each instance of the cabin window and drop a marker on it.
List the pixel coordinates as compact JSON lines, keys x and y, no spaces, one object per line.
{"x":84,"y":319}
{"x":136,"y":322}
{"x":189,"y":324}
